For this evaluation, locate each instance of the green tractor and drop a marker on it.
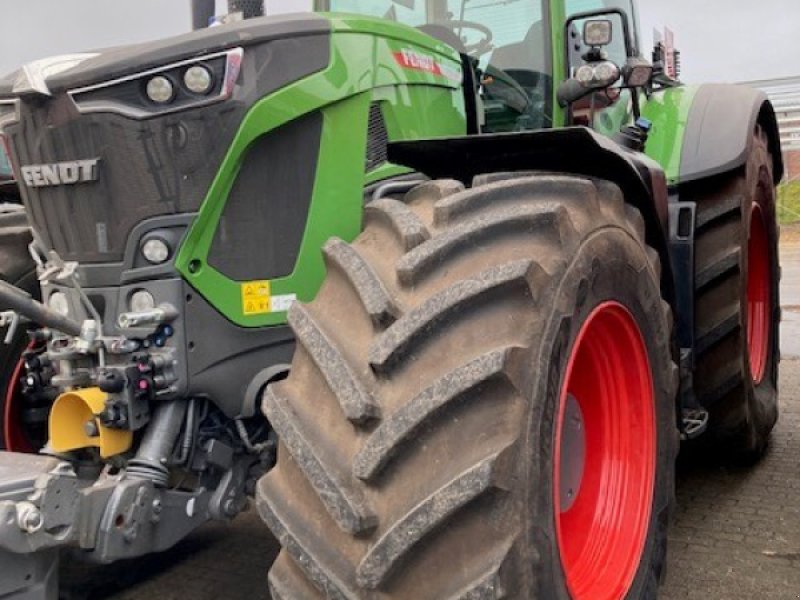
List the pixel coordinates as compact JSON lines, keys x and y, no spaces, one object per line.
{"x":519,"y":263}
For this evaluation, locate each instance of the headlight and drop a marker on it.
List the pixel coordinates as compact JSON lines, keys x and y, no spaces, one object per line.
{"x":160,"y":89}
{"x":58,"y":303}
{"x":639,"y":76}
{"x":637,"y":72}
{"x":597,"y":74}
{"x":585,"y":75}
{"x":605,"y":71}
{"x":167,"y":88}
{"x":155,"y":250}
{"x":198,"y":79}
{"x":142,"y":301}
{"x":597,"y":32}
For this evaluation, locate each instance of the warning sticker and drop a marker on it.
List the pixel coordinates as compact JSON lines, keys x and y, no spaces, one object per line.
{"x":258,"y":300}
{"x":282,"y":303}
{"x":255,"y":297}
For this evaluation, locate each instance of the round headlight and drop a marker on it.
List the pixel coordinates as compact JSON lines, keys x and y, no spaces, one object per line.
{"x":58,"y":302}
{"x":141,"y":301}
{"x":160,"y":89}
{"x":198,"y":79}
{"x":155,"y":251}
{"x":585,"y":75}
{"x":605,"y":73}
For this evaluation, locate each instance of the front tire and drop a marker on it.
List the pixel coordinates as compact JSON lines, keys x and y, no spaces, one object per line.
{"x":429,"y":416}
{"x":19,"y":431}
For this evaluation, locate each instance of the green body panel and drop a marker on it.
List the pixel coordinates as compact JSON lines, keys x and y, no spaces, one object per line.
{"x":609,"y":120}
{"x":669,"y":112}
{"x":367,"y":66}
{"x":364,"y":68}
{"x":558,"y":16}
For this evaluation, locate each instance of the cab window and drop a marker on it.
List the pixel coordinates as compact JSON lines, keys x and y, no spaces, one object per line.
{"x":516,"y":78}
{"x":509,"y":39}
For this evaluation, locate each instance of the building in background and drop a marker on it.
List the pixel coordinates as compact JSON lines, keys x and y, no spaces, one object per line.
{"x":785,"y":96}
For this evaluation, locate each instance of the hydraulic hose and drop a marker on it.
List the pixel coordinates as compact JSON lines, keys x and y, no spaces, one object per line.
{"x":158,"y":442}
{"x":23,"y":303}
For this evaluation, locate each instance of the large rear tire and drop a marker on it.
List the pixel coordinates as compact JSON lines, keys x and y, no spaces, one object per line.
{"x":482,"y":403}
{"x":19,"y":431}
{"x":737,"y":311}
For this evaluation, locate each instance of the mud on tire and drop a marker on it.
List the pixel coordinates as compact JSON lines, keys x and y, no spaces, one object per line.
{"x":417,"y":426}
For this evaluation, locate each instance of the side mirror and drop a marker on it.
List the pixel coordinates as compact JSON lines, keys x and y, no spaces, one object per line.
{"x":597,"y":32}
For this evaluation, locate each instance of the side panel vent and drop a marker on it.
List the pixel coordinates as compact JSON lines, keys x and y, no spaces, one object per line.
{"x":377,"y":138}
{"x":264,"y":218}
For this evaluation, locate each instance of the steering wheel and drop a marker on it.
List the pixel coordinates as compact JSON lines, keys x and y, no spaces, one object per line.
{"x":480,"y":47}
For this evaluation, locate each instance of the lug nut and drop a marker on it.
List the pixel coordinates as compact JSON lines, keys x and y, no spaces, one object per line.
{"x":29,"y":518}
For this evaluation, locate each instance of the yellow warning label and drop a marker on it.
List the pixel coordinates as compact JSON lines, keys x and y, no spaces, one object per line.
{"x":255,"y":297}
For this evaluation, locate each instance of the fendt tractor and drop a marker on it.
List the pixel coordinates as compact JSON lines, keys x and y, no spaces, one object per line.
{"x":521,"y":262}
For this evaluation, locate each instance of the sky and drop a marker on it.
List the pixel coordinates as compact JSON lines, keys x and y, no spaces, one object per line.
{"x":729,"y":40}
{"x":720,"y":40}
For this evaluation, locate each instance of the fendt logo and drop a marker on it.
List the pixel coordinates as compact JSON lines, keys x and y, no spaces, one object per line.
{"x":62,"y":173}
{"x":416,"y":61}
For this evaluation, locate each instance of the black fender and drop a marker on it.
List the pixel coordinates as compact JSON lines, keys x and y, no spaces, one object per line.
{"x":570,"y":150}
{"x":719,"y":131}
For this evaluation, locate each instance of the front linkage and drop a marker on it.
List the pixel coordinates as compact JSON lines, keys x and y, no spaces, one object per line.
{"x":132,"y":465}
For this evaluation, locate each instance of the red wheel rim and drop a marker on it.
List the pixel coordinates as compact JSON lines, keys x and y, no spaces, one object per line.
{"x":758,"y":295}
{"x":16,"y":439}
{"x":605,"y":456}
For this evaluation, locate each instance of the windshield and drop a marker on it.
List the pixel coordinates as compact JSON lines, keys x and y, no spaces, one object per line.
{"x":411,"y":13}
{"x":508,"y":38}
{"x":479,"y":25}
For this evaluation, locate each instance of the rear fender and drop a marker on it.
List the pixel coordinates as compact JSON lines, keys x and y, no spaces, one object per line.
{"x":702,"y":131}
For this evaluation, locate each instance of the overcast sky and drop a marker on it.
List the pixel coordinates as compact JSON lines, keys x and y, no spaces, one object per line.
{"x":720,"y":40}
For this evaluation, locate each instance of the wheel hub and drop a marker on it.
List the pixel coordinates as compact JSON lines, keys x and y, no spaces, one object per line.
{"x":573,"y":453}
{"x":758,"y":295}
{"x":604,"y":466}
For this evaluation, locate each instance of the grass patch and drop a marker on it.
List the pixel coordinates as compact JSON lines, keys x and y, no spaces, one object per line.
{"x":789,"y":202}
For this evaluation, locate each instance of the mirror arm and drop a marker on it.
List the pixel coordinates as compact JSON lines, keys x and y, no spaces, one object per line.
{"x":637,"y":109}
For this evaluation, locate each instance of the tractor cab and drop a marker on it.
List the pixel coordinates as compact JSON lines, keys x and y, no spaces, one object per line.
{"x":521,"y":52}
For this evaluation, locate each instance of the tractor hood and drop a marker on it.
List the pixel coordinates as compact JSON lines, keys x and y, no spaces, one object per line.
{"x":95,"y":156}
{"x":96,"y":152}
{"x":60,"y":73}
{"x":78,"y":70}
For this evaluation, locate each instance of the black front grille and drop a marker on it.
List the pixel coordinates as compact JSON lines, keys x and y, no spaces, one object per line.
{"x":147,"y":168}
